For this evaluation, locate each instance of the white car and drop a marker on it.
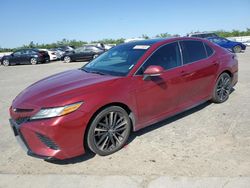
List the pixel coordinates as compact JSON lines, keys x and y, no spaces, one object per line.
{"x":52,"y":54}
{"x":247,"y":43}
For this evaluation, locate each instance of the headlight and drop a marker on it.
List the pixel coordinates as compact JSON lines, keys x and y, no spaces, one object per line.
{"x":55,"y":112}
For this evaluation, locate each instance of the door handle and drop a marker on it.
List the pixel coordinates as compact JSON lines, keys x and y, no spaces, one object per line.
{"x":215,"y":62}
{"x":185,"y":73}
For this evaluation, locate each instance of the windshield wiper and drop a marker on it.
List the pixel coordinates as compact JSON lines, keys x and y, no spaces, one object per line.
{"x":94,"y":72}
{"x":97,"y":72}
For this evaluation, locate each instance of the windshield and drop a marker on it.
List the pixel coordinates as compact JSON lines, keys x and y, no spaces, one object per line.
{"x":218,"y":40}
{"x":118,"y":61}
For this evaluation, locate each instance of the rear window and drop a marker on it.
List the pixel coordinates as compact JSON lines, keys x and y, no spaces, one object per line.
{"x":192,"y":51}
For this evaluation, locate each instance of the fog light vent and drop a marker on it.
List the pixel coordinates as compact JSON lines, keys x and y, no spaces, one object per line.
{"x":48,"y":142}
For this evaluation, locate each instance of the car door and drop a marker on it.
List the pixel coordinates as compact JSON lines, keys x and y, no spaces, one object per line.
{"x":25,"y":57}
{"x":15,"y":58}
{"x":79,"y":53}
{"x":198,"y":72}
{"x":158,"y":96}
{"x":88,"y":52}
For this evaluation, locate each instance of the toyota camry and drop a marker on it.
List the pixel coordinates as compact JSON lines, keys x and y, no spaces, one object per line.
{"x":131,"y":86}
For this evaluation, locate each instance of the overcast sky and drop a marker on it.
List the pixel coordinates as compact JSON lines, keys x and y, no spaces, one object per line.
{"x":48,"y":21}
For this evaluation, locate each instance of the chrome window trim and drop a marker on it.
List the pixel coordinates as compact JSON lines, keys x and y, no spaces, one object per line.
{"x":206,"y":50}
{"x":135,"y":74}
{"x":181,"y":54}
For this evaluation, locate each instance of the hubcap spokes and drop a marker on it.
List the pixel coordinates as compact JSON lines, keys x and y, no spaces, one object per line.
{"x":224,"y":87}
{"x":109,"y":131}
{"x":67,"y":59}
{"x":5,"y":62}
{"x":33,"y":61}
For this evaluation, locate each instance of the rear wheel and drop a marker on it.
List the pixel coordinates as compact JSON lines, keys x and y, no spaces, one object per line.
{"x":109,"y":131}
{"x":6,"y":62}
{"x":33,"y":61}
{"x":237,"y":49}
{"x":67,"y":59}
{"x":222,"y":88}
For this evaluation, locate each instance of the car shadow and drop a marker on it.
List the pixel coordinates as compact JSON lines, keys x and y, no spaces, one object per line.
{"x":89,"y":155}
{"x":167,"y":121}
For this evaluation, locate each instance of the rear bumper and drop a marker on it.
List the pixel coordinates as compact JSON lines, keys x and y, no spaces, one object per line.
{"x":44,"y":59}
{"x":55,"y":138}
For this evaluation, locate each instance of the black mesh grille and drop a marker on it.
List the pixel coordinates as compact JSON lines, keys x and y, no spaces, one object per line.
{"x":48,"y":142}
{"x":20,"y":110}
{"x":21,"y":120}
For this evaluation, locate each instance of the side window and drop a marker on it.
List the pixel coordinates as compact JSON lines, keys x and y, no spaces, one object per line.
{"x":192,"y":51}
{"x":17,"y":53}
{"x":89,"y":48}
{"x":27,"y":52}
{"x":167,"y":56}
{"x":209,"y":50}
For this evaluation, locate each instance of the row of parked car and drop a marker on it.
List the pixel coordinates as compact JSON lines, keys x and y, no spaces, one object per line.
{"x":232,"y":46}
{"x":89,"y":52}
{"x":65,"y":53}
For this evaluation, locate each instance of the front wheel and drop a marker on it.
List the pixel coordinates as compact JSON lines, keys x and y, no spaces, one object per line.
{"x":237,"y":49}
{"x":33,"y":61}
{"x":6,"y":62}
{"x":109,"y":131}
{"x":67,"y":59}
{"x":222,"y":88}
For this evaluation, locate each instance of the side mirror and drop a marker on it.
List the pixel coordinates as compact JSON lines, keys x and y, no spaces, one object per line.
{"x":152,"y":70}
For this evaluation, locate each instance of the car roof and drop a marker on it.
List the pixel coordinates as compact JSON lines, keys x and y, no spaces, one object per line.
{"x":146,"y":42}
{"x":156,"y":41}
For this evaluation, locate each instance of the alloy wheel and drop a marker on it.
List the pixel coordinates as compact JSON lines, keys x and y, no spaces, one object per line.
{"x":67,"y":59}
{"x":237,"y":49}
{"x":6,"y":62}
{"x":223,"y":87}
{"x":110,"y":131}
{"x":33,"y":61}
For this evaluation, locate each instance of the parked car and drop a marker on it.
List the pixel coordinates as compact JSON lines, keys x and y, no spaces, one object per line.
{"x":202,"y":34}
{"x":66,"y":48}
{"x":26,"y":56}
{"x":131,"y":86}
{"x":233,"y":46}
{"x":84,"y":53}
{"x":52,"y":54}
{"x":59,"y":52}
{"x":247,"y":43}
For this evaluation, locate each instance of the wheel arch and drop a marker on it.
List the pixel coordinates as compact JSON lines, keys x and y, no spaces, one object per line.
{"x":226,"y":71}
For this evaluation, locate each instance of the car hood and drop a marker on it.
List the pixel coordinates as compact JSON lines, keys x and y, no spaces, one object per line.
{"x":61,"y":89}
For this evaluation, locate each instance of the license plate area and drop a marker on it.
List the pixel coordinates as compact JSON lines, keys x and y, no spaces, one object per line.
{"x":18,"y":135}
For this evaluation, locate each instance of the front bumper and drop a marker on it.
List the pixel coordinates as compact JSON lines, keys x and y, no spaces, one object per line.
{"x":54,"y":138}
{"x":235,"y":78}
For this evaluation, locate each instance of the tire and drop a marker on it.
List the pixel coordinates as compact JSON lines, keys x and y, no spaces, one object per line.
{"x":237,"y":49}
{"x":222,"y":88}
{"x":33,"y":61}
{"x":109,"y":131}
{"x":6,"y":62}
{"x":67,"y":59}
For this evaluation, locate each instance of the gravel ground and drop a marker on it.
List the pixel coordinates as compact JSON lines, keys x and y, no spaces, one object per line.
{"x":211,"y":140}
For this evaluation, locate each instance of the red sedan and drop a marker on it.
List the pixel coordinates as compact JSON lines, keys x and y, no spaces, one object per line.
{"x":125,"y":89}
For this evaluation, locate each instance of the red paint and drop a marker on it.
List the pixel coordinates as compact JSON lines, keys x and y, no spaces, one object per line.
{"x":149,"y":100}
